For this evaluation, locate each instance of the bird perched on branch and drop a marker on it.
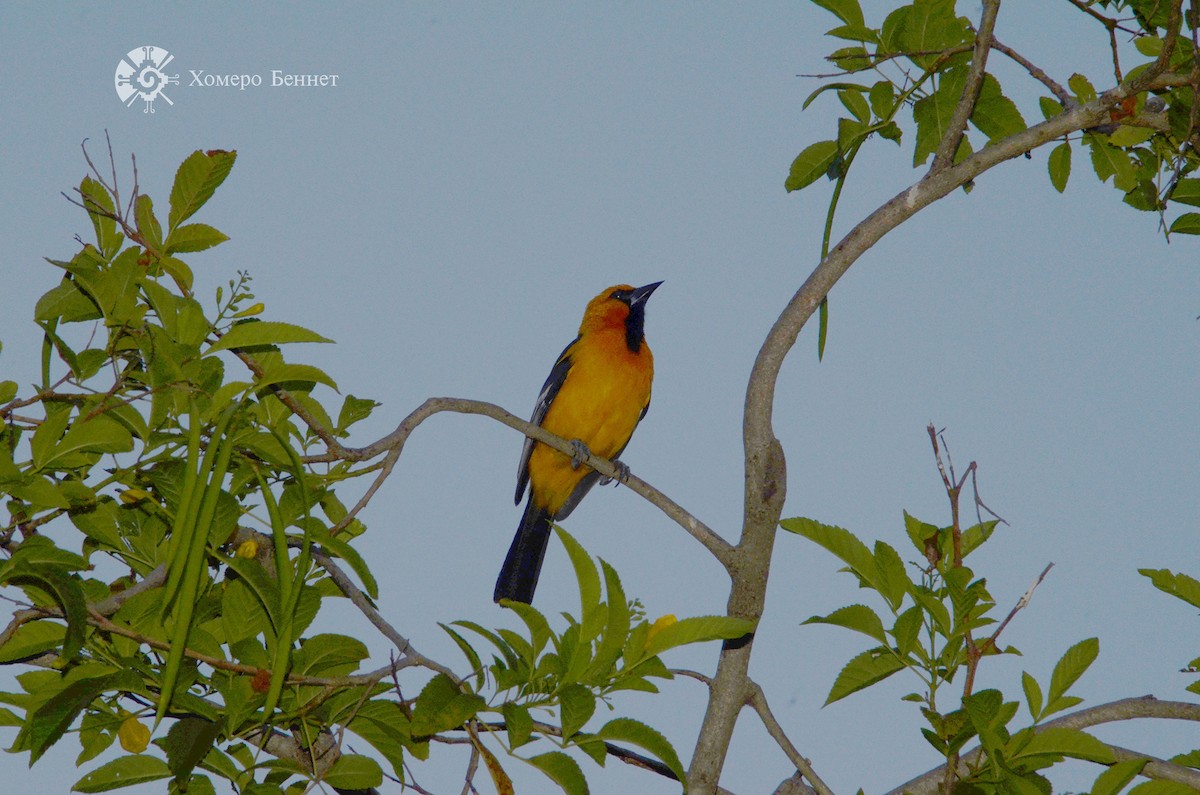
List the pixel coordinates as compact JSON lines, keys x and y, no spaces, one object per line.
{"x":596,"y":394}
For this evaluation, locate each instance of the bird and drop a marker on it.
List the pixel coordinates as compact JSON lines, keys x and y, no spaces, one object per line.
{"x":596,"y":394}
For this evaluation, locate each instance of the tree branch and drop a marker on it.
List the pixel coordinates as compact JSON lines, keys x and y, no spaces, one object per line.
{"x":1125,"y":709}
{"x":393,"y":445}
{"x":765,"y":465}
{"x":944,"y":156}
{"x":758,"y":701}
{"x":409,"y":655}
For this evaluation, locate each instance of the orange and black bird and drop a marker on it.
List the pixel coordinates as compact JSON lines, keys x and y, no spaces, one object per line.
{"x":597,"y":393}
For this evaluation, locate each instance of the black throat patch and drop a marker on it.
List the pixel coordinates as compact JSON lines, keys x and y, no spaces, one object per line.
{"x":635,"y":327}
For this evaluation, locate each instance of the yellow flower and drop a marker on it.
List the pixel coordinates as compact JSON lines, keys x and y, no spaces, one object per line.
{"x":134,"y":735}
{"x":661,"y":623}
{"x":247,"y":549}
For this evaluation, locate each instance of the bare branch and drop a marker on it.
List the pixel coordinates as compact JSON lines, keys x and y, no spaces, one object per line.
{"x":1022,"y":603}
{"x":393,"y":445}
{"x":409,"y":655}
{"x":757,"y":700}
{"x":1061,"y":94}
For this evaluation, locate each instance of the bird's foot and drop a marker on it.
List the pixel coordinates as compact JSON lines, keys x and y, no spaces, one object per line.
{"x":579,"y":453}
{"x":622,"y":474}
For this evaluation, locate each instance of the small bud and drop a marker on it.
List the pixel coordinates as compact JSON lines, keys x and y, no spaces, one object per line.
{"x":250,"y":311}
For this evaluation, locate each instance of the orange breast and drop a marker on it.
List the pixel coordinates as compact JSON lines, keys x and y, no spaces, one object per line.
{"x":600,"y":403}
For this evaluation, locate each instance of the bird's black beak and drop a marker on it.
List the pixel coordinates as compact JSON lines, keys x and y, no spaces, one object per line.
{"x":640,"y":294}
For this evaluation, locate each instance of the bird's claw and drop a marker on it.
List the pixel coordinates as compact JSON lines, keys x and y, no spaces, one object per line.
{"x":622,"y":474}
{"x":579,"y":453}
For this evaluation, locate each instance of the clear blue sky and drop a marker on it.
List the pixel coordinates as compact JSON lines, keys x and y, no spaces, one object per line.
{"x":481,"y":170}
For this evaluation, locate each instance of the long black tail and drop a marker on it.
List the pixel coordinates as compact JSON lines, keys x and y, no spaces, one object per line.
{"x":519,"y":575}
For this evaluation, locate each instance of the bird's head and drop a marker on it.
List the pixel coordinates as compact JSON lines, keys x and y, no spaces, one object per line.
{"x":620,"y":306}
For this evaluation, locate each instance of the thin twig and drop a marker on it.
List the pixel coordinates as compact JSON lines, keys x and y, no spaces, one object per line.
{"x":757,"y":700}
{"x":1061,"y":94}
{"x":409,"y":656}
{"x":1022,"y":603}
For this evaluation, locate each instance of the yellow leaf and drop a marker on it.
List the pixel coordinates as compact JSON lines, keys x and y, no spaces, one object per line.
{"x":661,"y":623}
{"x":130,"y":496}
{"x":134,"y":735}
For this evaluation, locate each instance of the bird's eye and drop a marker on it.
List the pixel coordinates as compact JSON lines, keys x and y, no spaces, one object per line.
{"x":620,"y":295}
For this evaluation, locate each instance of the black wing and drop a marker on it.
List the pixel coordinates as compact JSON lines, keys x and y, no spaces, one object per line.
{"x":554,"y":382}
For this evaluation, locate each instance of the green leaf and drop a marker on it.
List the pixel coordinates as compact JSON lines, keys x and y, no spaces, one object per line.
{"x":283,"y":372}
{"x":856,"y":104}
{"x":193,"y":237}
{"x":1049,"y":107}
{"x":847,"y":11}
{"x":873,"y":665}
{"x":200,"y":174}
{"x":632,"y":732}
{"x":147,"y":224}
{"x":100,"y":434}
{"x":45,"y":725}
{"x":1181,"y":586}
{"x":473,"y":661}
{"x":1126,"y":136}
{"x":257,"y":333}
{"x":811,"y":164}
{"x":1109,"y":161}
{"x":586,"y":575}
{"x":442,"y":706}
{"x":1059,"y":166}
{"x":840,"y":542}
{"x":893,"y":578}
{"x":353,"y":771}
{"x":66,"y":302}
{"x":518,"y":723}
{"x":124,"y":771}
{"x":577,"y":705}
{"x":1068,"y":742}
{"x":330,"y":655}
{"x":932,"y":113}
{"x":995,"y":115}
{"x":538,"y":626}
{"x":616,"y":629}
{"x":68,"y":594}
{"x":906,"y":629}
{"x":1033,"y":694}
{"x":562,"y":770}
{"x":1082,"y":87}
{"x":698,"y":629}
{"x":32,"y":639}
{"x":1187,"y":191}
{"x":859,"y":618}
{"x":99,"y":204}
{"x":1115,"y":778}
{"x":353,"y":410}
{"x":1186,"y":224}
{"x":1073,"y":664}
{"x":187,"y":743}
